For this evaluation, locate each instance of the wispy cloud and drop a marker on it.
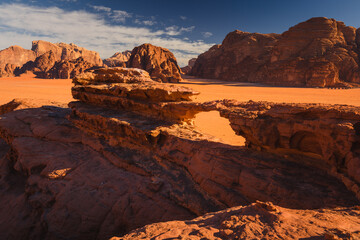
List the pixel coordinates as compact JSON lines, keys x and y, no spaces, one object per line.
{"x":20,"y":24}
{"x":145,"y":22}
{"x":120,"y":16}
{"x":175,"y":30}
{"x":183,"y":18}
{"x":206,"y":34}
{"x":101,"y":8}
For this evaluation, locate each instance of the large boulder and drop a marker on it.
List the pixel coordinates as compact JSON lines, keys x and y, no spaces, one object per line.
{"x":320,"y":52}
{"x":119,"y":59}
{"x":159,"y":62}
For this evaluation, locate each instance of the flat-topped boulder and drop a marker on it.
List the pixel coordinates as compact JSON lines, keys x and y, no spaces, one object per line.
{"x":133,"y":90}
{"x":159,"y":62}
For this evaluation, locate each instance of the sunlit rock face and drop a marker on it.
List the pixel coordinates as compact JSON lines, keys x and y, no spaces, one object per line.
{"x":119,"y":59}
{"x":320,"y":52}
{"x":159,"y":62}
{"x":48,"y":60}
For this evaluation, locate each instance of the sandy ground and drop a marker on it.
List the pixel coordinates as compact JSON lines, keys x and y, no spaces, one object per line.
{"x":58,"y":90}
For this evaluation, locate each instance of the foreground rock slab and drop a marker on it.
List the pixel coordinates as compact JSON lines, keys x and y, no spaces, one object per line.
{"x":259,"y":221}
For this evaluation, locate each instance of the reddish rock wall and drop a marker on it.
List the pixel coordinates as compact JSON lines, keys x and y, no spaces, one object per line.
{"x":320,"y":52}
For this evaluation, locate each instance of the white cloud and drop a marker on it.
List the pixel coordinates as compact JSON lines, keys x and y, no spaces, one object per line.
{"x":145,"y":22}
{"x":120,"y":16}
{"x":175,"y":30}
{"x":183,"y":18}
{"x":207,"y":34}
{"x":20,"y":24}
{"x":101,"y":8}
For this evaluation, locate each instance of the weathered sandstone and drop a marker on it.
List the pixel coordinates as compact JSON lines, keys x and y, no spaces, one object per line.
{"x":320,"y":52}
{"x":136,"y":92}
{"x":258,"y":221}
{"x":13,"y":57}
{"x":65,"y":51}
{"x":127,"y":155}
{"x":119,"y":59}
{"x":48,"y":60}
{"x":159,"y":62}
{"x":190,"y":65}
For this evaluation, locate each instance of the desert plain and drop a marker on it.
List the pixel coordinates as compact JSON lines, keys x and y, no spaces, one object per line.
{"x":58,"y":91}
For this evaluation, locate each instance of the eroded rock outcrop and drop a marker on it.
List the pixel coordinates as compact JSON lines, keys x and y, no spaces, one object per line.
{"x":64,"y":51}
{"x":190,"y":65}
{"x":159,"y":62}
{"x":48,"y":60}
{"x":125,"y":156}
{"x":258,"y":221}
{"x":320,"y":52}
{"x":13,"y":57}
{"x":119,"y":59}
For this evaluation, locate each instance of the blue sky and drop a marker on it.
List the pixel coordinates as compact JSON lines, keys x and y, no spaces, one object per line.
{"x":187,"y":28}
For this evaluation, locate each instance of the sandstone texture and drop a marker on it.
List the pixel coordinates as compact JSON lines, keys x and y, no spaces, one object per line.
{"x":159,"y":62}
{"x":320,"y":52}
{"x":259,"y":221}
{"x":190,"y":65}
{"x":126,"y":155}
{"x":119,"y":59}
{"x":13,"y":57}
{"x":48,"y":60}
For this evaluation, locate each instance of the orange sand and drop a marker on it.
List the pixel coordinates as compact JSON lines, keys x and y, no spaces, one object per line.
{"x":58,"y":90}
{"x":212,"y":124}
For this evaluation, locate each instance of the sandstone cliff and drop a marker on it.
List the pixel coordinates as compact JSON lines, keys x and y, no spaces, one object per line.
{"x":320,"y":52}
{"x":159,"y":62}
{"x":48,"y":60}
{"x":190,"y":65}
{"x":13,"y":57}
{"x":119,"y":59}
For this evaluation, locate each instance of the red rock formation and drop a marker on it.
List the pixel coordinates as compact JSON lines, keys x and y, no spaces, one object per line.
{"x":48,"y":60}
{"x":110,"y":165}
{"x":69,"y":68}
{"x":159,"y":62}
{"x":320,"y":52}
{"x":65,"y":51}
{"x":13,"y":57}
{"x":188,"y":68}
{"x":119,"y":59}
{"x":258,"y":221}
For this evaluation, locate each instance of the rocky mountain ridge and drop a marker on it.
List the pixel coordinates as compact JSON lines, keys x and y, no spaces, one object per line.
{"x":319,"y":52}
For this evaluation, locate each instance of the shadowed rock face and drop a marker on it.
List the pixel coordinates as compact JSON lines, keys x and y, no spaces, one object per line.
{"x":126,"y":155}
{"x":320,"y":52}
{"x":159,"y":62}
{"x":188,"y":68}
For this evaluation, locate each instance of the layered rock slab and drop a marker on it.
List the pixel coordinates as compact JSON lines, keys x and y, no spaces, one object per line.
{"x":258,"y":221}
{"x":159,"y":62}
{"x":133,"y":90}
